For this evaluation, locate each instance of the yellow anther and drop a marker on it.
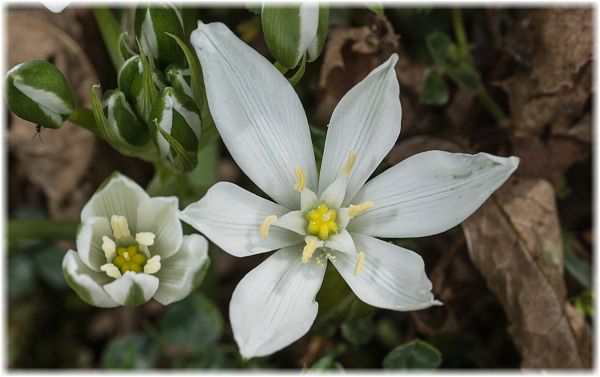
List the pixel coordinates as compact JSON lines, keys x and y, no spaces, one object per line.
{"x":359,"y":209}
{"x":119,"y":226}
{"x":309,"y":250}
{"x":347,"y":168}
{"x":360,"y":262}
{"x":301,"y":180}
{"x":321,"y":222}
{"x":111,"y":270}
{"x":153,"y":265}
{"x":266,"y":224}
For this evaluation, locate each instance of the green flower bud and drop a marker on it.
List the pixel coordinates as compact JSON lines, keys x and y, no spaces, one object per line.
{"x":38,"y":92}
{"x":181,"y":80}
{"x":122,"y":121}
{"x":151,"y":25}
{"x":294,"y":31}
{"x":131,"y":83}
{"x":177,"y":126}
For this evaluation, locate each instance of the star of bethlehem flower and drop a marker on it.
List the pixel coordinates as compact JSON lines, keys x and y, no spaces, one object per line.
{"x":131,"y":248}
{"x":331,"y":217}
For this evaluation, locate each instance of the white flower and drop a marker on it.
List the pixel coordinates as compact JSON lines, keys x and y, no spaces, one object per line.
{"x":131,"y":248}
{"x":335,"y":217}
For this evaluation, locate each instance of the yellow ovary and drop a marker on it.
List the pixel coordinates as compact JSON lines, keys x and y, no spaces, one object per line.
{"x":129,"y":259}
{"x":321,"y":222}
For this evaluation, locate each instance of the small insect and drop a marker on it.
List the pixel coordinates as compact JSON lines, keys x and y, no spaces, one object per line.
{"x":38,"y":132}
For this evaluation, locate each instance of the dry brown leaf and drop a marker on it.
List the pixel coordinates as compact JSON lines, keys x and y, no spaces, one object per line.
{"x":349,"y":55}
{"x":514,"y":240}
{"x":57,"y":164}
{"x":557,"y":87}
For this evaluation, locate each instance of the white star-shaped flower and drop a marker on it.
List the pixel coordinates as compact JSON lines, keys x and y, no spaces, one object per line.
{"x":334,"y":216}
{"x":131,"y":248}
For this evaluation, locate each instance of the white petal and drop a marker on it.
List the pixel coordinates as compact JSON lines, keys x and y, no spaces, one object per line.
{"x":391,"y":277}
{"x":132,"y":289}
{"x":89,"y":241}
{"x":309,"y":22}
{"x":366,"y":121}
{"x":183,"y":272}
{"x":231,"y":218}
{"x":333,"y":196}
{"x":86,"y":282}
{"x":342,"y":241}
{"x":257,"y":113}
{"x":308,"y":200}
{"x":56,"y":6}
{"x":429,"y":193}
{"x":274,"y":304}
{"x":119,"y":196}
{"x":293,"y":221}
{"x":160,"y":216}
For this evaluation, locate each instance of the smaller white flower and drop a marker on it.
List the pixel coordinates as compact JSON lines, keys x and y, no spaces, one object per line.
{"x":131,"y":248}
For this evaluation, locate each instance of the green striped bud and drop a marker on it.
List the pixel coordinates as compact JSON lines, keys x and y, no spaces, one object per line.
{"x":131,"y":83}
{"x":293,"y":31}
{"x":181,"y":80}
{"x":38,"y":92}
{"x":151,"y":25}
{"x":123,"y":123}
{"x":176,"y":127}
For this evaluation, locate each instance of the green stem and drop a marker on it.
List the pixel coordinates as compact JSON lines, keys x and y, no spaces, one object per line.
{"x":84,"y":118}
{"x":42,"y":229}
{"x":484,"y":96}
{"x":281,"y":68}
{"x":110,"y":31}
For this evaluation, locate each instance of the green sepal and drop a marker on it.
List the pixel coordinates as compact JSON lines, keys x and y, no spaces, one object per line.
{"x":38,"y":92}
{"x":281,"y":28}
{"x":151,"y":27}
{"x":141,"y":84}
{"x":176,"y":128}
{"x":125,"y":51}
{"x":180,"y":79}
{"x":111,"y":132}
{"x":123,"y":121}
{"x":209,"y":129}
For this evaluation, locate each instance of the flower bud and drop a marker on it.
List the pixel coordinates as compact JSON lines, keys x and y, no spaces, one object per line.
{"x":127,"y":128}
{"x":151,"y":25}
{"x":38,"y":92}
{"x":294,"y":31}
{"x":131,"y":83}
{"x":176,"y":127}
{"x":181,"y":80}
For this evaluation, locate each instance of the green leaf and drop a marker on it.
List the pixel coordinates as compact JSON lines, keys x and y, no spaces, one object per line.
{"x":110,"y":31}
{"x":193,"y":322}
{"x":21,"y":276}
{"x":134,"y":351}
{"x":440,"y":47}
{"x":49,"y":265}
{"x":358,"y":331}
{"x":465,"y":76}
{"x":413,"y":355}
{"x":584,"y":303}
{"x":434,"y":91}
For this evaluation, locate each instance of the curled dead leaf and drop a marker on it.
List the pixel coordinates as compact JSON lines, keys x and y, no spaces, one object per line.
{"x":515,"y":242}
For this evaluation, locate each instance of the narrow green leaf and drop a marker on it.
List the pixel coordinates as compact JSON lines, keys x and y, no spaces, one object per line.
{"x":375,"y":7}
{"x":413,"y":355}
{"x":110,"y":31}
